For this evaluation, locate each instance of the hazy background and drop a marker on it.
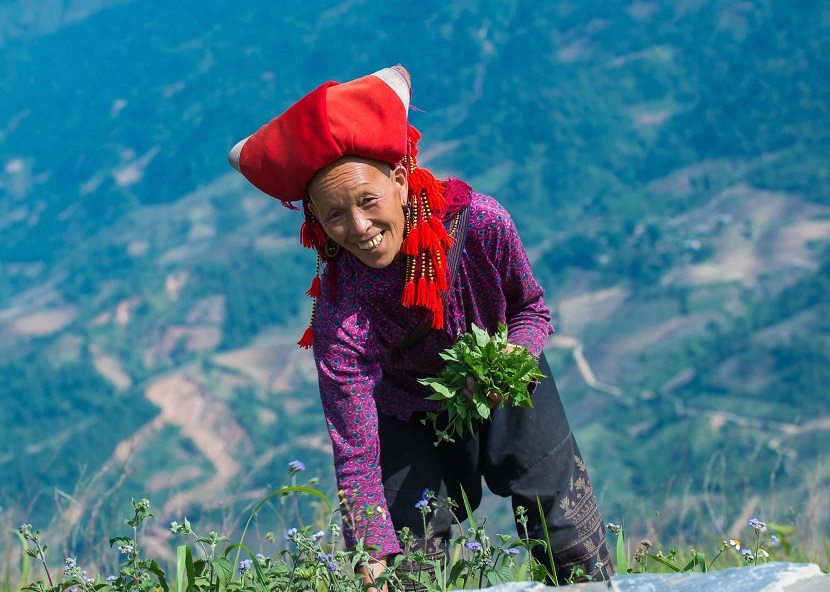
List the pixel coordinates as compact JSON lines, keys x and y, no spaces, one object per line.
{"x":667,"y":164}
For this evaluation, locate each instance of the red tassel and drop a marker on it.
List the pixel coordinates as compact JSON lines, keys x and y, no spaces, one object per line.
{"x":305,"y":236}
{"x":312,"y":235}
{"x":414,"y":136}
{"x":315,"y":289}
{"x":438,"y":318}
{"x":410,"y":244}
{"x":441,"y":278}
{"x":408,"y":298}
{"x":422,"y":180}
{"x":421,"y":292}
{"x":440,"y":232}
{"x":307,"y":339}
{"x":427,"y":239}
{"x":435,"y":199}
{"x":434,"y":302}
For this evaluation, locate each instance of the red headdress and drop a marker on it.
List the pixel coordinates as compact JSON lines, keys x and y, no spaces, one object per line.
{"x":366,"y":117}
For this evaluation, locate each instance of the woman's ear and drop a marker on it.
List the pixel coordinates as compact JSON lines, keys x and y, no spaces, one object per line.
{"x":400,"y":179}
{"x":312,"y":209}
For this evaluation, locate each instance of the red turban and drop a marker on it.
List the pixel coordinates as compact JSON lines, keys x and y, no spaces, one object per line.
{"x":365,"y":117}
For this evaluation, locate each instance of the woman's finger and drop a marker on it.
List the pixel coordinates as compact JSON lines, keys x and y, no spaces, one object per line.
{"x":470,"y":389}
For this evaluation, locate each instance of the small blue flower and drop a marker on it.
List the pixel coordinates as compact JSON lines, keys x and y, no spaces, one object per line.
{"x":290,"y":534}
{"x":757,"y":525}
{"x":422,"y":504}
{"x":112,"y":578}
{"x":511,"y":551}
{"x":773,"y":540}
{"x":473,"y":546}
{"x":245,"y":565}
{"x":295,"y":467}
{"x":328,"y":560}
{"x":260,"y":557}
{"x":318,"y":535}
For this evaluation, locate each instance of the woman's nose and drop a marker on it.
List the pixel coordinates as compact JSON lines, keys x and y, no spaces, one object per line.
{"x":361,"y":225}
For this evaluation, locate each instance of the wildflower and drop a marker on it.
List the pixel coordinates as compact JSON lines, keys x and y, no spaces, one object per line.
{"x":615,"y":528}
{"x":25,"y":529}
{"x":473,"y":546}
{"x":773,"y":540}
{"x":748,"y":555}
{"x":245,"y":565}
{"x":422,"y":505}
{"x":143,"y":505}
{"x":174,"y":527}
{"x":511,"y":551}
{"x":758,"y":526}
{"x":763,"y":553}
{"x":260,"y":557}
{"x":734,"y":543}
{"x":645,"y":543}
{"x":125,"y":549}
{"x":291,"y":534}
{"x":382,"y":512}
{"x":295,"y":467}
{"x":328,"y":560}
{"x":112,"y":578}
{"x":69,"y":565}
{"x":317,"y":535}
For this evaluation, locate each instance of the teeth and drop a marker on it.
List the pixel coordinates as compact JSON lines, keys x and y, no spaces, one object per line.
{"x":371,"y":244}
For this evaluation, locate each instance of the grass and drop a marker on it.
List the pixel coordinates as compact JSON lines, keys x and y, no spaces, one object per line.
{"x":313,"y":557}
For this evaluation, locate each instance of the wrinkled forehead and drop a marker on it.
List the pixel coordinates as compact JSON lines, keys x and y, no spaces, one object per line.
{"x":348,"y":178}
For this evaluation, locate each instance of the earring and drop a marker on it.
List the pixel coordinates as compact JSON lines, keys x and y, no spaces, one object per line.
{"x":331,"y":248}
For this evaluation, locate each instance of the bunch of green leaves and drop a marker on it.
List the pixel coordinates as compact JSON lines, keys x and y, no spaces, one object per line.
{"x":496,"y":366}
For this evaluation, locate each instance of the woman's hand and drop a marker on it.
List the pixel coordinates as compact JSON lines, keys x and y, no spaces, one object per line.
{"x":493,"y":399}
{"x":371,"y":571}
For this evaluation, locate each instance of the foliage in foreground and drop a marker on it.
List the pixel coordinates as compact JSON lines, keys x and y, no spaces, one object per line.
{"x":496,"y":366}
{"x":314,"y":557}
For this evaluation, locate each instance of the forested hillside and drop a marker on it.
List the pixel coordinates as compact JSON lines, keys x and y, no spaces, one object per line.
{"x":666,"y":163}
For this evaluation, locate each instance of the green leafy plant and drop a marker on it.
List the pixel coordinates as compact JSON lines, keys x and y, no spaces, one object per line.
{"x":498,"y":367}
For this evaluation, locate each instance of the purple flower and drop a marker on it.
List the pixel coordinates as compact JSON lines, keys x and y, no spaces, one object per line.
{"x":112,"y":578}
{"x":295,"y":467}
{"x":757,"y":525}
{"x":328,"y":559}
{"x":318,"y":535}
{"x":473,"y":546}
{"x":292,"y":532}
{"x":511,"y":551}
{"x":422,"y":504}
{"x":245,"y":565}
{"x":773,"y":540}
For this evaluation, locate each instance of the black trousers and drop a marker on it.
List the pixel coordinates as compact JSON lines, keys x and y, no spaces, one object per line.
{"x":523,"y":453}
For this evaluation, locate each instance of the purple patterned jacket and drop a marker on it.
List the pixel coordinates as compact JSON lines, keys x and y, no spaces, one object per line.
{"x":359,"y":320}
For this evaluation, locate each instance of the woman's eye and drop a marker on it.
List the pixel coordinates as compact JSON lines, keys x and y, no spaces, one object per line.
{"x":333,"y":217}
{"x":370,"y":199}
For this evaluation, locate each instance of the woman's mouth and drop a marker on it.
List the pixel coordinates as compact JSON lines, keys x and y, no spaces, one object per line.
{"x":371,"y":243}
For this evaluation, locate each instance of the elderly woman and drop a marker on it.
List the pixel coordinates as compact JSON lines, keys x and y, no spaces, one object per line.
{"x":408,"y":263}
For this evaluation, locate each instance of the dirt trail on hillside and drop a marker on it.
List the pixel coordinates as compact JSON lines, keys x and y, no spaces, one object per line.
{"x":574,"y":344}
{"x":208,"y":424}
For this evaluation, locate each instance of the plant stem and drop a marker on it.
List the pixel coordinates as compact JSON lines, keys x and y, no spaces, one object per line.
{"x":42,"y":558}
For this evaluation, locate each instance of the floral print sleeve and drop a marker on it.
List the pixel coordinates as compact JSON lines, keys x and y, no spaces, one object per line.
{"x":348,"y":378}
{"x":528,"y":319}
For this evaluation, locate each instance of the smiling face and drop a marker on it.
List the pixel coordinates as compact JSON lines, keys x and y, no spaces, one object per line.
{"x":359,"y":203}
